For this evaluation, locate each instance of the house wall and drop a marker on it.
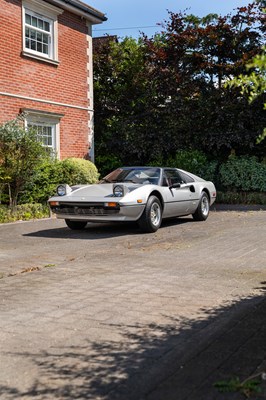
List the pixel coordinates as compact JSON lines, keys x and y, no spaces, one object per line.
{"x":29,"y":83}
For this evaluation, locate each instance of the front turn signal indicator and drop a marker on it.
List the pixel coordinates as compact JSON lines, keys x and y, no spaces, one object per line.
{"x":111,"y":204}
{"x":54,"y":203}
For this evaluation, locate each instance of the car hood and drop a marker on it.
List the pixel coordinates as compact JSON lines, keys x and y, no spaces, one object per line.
{"x":95,"y":192}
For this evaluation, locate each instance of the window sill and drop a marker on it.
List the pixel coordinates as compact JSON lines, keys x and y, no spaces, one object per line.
{"x":40,"y":58}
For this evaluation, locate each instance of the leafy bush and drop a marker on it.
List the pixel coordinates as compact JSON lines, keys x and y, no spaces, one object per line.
{"x":20,"y":153}
{"x":43,"y":183}
{"x":241,"y":198}
{"x":210,"y":171}
{"x":244,"y":174}
{"x":190,"y":160}
{"x":196,"y":162}
{"x":53,"y":172}
{"x":107,"y":163}
{"x":23,"y":212}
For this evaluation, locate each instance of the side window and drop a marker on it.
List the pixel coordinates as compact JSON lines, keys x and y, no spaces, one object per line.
{"x":40,"y":36}
{"x":171,"y":176}
{"x":186,"y":178}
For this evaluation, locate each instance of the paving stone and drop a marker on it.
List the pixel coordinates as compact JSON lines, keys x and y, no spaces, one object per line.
{"x":127,"y":316}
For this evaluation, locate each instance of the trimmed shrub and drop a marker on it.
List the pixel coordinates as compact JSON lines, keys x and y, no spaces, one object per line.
{"x":244,"y":174}
{"x":78,"y":171}
{"x":43,"y":183}
{"x":53,"y":172}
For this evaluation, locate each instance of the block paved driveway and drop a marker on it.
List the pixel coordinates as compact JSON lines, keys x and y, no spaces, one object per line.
{"x":111,"y":313}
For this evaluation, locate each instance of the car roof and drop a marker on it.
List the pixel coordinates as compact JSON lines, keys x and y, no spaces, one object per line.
{"x":139,"y":167}
{"x":147,"y":167}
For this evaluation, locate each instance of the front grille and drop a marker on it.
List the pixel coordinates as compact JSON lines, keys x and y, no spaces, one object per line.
{"x":84,"y":209}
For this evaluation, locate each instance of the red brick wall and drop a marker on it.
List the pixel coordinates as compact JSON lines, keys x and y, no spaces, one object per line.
{"x":65,"y":83}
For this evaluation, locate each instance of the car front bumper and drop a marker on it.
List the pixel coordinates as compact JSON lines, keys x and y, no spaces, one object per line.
{"x":97,"y":212}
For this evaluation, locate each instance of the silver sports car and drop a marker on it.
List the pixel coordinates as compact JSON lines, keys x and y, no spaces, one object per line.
{"x":143,"y":194}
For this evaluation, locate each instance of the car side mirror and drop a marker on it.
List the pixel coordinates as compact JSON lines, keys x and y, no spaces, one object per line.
{"x":192,"y":189}
{"x":175,"y":186}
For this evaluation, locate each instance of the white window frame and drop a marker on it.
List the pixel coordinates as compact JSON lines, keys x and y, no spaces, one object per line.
{"x":45,"y":125}
{"x":48,"y":13}
{"x":49,"y":34}
{"x":38,"y":119}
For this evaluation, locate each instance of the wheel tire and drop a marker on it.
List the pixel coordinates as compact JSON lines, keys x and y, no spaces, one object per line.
{"x":151,"y":218}
{"x":75,"y":225}
{"x":202,"y":212}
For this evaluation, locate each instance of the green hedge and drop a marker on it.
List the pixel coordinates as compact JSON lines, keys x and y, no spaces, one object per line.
{"x":193,"y":161}
{"x":243,"y":174}
{"x":23,"y":212}
{"x":241,"y":198}
{"x":107,"y":164}
{"x":239,"y":180}
{"x":237,"y":174}
{"x":190,"y":160}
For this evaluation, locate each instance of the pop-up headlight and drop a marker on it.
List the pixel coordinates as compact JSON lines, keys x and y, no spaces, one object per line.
{"x":118,"y":190}
{"x":63,"y":190}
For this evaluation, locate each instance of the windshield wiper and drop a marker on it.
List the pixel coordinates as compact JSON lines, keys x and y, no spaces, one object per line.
{"x":108,"y":181}
{"x":129,"y":180}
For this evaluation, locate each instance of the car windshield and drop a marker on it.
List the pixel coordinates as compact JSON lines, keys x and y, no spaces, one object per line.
{"x":139,"y":175}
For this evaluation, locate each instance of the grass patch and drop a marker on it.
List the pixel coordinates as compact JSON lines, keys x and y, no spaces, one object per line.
{"x":248,"y":387}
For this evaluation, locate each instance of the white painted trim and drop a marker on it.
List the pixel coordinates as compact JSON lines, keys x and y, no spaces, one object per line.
{"x":42,"y":7}
{"x":37,"y":57}
{"x":90,"y":18}
{"x":57,"y":139}
{"x":90,"y":92}
{"x":45,"y":101}
{"x":46,"y":114}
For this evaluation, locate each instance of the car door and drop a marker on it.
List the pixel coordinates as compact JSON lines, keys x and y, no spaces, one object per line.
{"x":178,"y":194}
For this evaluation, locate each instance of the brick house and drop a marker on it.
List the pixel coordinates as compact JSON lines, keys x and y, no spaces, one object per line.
{"x":46,"y":70}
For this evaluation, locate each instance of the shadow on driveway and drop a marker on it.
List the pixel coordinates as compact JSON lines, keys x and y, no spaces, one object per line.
{"x":103,"y":230}
{"x":180,"y":360}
